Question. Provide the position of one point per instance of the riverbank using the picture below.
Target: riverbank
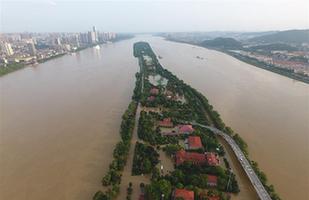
(284, 72)
(17, 66)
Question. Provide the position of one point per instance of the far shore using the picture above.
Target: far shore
(277, 70)
(17, 66)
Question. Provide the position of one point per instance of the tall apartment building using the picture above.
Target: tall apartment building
(7, 48)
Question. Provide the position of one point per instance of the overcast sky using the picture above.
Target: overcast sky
(153, 16)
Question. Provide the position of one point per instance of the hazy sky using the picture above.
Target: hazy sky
(153, 16)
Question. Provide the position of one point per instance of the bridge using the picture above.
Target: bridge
(254, 179)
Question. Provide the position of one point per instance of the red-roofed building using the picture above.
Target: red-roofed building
(184, 194)
(185, 129)
(195, 158)
(194, 142)
(167, 122)
(212, 180)
(212, 158)
(154, 91)
(151, 98)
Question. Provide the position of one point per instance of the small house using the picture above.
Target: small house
(184, 194)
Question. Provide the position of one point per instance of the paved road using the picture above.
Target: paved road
(260, 189)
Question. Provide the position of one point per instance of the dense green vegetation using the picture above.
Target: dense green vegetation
(159, 190)
(147, 132)
(171, 149)
(10, 68)
(225, 43)
(138, 87)
(273, 47)
(145, 159)
(290, 36)
(192, 176)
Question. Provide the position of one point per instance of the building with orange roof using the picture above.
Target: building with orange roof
(185, 129)
(184, 194)
(194, 142)
(167, 122)
(212, 180)
(196, 158)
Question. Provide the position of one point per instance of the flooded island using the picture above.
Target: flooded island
(175, 145)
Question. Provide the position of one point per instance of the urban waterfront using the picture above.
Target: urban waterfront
(69, 109)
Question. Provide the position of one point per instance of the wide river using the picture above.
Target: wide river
(60, 120)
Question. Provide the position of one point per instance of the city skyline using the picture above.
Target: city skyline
(165, 16)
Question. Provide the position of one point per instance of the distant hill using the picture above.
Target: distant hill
(290, 36)
(224, 43)
(274, 47)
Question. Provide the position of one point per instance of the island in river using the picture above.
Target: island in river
(266, 109)
(176, 118)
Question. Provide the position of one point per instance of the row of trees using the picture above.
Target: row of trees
(113, 177)
(192, 175)
(145, 159)
(147, 131)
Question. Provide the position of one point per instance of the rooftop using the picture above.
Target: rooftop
(195, 158)
(167, 122)
(187, 128)
(183, 193)
(212, 180)
(195, 142)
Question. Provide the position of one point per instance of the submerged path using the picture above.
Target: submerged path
(257, 184)
(127, 176)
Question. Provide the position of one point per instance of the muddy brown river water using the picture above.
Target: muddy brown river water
(59, 120)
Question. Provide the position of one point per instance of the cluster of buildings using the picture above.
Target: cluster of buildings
(193, 151)
(295, 60)
(189, 195)
(30, 48)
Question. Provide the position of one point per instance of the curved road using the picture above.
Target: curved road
(260, 189)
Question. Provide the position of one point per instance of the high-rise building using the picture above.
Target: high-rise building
(31, 47)
(91, 37)
(58, 41)
(84, 38)
(76, 40)
(94, 30)
(7, 49)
